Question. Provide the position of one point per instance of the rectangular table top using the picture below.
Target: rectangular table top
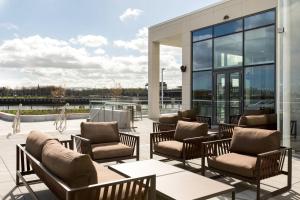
(173, 182)
(145, 167)
(187, 185)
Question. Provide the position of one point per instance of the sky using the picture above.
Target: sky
(85, 43)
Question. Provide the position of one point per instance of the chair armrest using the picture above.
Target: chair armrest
(129, 140)
(217, 147)
(82, 145)
(194, 148)
(226, 130)
(204, 119)
(162, 136)
(271, 163)
(168, 126)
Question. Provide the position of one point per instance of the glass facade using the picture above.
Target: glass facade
(234, 66)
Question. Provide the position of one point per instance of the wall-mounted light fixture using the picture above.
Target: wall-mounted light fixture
(226, 17)
(183, 68)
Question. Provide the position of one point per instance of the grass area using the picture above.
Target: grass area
(45, 112)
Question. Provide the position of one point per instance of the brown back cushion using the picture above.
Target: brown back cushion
(191, 114)
(73, 168)
(189, 129)
(168, 119)
(35, 142)
(253, 120)
(252, 141)
(100, 132)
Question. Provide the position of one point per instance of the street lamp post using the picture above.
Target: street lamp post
(162, 87)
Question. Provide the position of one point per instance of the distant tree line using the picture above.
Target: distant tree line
(54, 91)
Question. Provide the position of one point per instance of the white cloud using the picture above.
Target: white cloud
(90, 40)
(8, 25)
(139, 43)
(130, 13)
(99, 51)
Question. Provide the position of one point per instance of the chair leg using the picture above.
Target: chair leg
(203, 166)
(258, 190)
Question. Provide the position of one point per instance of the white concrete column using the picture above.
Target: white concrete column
(286, 72)
(186, 76)
(153, 79)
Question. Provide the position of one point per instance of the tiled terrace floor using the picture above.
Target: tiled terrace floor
(144, 127)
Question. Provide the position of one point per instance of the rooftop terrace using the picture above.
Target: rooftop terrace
(144, 127)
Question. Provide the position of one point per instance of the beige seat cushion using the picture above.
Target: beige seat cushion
(100, 132)
(254, 141)
(73, 168)
(190, 129)
(35, 142)
(234, 163)
(171, 148)
(111, 150)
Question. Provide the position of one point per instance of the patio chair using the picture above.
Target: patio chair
(104, 143)
(182, 144)
(169, 122)
(263, 121)
(204, 119)
(251, 155)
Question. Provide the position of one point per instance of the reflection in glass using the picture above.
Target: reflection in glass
(260, 20)
(202, 34)
(234, 93)
(259, 87)
(229, 27)
(260, 46)
(202, 85)
(202, 55)
(228, 51)
(203, 108)
(221, 84)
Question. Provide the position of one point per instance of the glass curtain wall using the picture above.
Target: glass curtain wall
(246, 44)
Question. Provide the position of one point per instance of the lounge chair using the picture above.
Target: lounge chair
(74, 176)
(104, 143)
(182, 144)
(250, 155)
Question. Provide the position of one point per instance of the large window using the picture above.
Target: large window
(246, 45)
(228, 51)
(259, 87)
(202, 55)
(202, 85)
(260, 45)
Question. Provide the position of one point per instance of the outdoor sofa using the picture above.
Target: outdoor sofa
(104, 143)
(74, 176)
(251, 155)
(182, 144)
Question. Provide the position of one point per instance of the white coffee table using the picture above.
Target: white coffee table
(173, 182)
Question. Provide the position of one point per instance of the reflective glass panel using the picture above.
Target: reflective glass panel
(203, 108)
(259, 20)
(228, 51)
(229, 27)
(202, 85)
(202, 55)
(202, 34)
(259, 87)
(260, 46)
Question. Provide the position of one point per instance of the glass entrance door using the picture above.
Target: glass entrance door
(228, 95)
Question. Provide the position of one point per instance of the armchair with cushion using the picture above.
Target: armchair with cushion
(104, 143)
(264, 121)
(251, 155)
(182, 144)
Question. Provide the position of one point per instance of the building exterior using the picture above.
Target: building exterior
(240, 56)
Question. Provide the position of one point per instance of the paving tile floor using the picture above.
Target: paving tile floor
(143, 129)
